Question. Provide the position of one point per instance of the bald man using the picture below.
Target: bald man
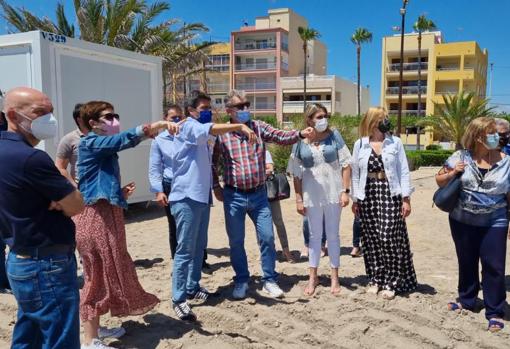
(36, 203)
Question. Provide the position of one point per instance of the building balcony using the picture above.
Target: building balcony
(395, 67)
(249, 46)
(218, 68)
(218, 87)
(256, 85)
(407, 112)
(256, 66)
(406, 90)
(292, 107)
(263, 107)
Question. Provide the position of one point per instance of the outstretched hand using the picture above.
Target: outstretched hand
(308, 132)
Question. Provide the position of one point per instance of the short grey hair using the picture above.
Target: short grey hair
(235, 93)
(502, 123)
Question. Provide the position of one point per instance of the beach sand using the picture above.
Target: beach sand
(353, 319)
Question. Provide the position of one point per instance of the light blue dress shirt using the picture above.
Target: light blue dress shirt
(159, 161)
(190, 160)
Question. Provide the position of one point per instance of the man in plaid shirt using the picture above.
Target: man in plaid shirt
(244, 191)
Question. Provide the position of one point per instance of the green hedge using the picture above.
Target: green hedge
(417, 158)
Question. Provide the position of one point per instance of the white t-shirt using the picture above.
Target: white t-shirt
(269, 158)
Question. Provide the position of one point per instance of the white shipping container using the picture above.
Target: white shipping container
(72, 71)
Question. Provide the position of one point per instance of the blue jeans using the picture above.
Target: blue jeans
(306, 232)
(192, 222)
(236, 205)
(4, 283)
(46, 290)
(356, 232)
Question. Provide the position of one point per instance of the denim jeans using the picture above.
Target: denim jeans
(46, 290)
(172, 234)
(306, 232)
(4, 283)
(237, 205)
(192, 221)
(356, 232)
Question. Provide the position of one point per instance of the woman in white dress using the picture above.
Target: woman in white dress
(322, 177)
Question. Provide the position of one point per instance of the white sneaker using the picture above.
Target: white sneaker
(96, 344)
(273, 289)
(114, 332)
(240, 290)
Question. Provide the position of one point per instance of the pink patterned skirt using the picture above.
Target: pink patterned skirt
(111, 283)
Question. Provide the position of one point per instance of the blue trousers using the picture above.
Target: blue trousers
(4, 282)
(485, 245)
(46, 290)
(192, 222)
(237, 205)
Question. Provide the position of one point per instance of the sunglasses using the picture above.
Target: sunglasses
(239, 106)
(110, 116)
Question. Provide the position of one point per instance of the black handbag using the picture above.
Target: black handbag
(277, 187)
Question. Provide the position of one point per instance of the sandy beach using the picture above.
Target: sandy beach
(353, 319)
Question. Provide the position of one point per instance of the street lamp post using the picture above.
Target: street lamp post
(401, 77)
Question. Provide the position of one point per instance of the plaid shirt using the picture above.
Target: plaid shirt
(244, 163)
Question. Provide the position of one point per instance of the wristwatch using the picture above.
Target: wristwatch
(347, 191)
(300, 135)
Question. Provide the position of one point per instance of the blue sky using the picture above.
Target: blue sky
(485, 21)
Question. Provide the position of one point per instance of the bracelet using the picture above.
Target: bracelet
(300, 135)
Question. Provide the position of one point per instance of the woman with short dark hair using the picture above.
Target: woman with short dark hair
(111, 284)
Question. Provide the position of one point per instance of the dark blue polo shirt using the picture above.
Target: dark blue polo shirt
(29, 181)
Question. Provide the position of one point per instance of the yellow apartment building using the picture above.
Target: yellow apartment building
(446, 68)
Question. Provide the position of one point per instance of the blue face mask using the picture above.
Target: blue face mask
(205, 116)
(492, 141)
(243, 116)
(176, 119)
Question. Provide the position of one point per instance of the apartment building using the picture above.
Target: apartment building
(338, 95)
(446, 68)
(264, 53)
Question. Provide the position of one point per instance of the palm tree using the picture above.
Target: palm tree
(455, 114)
(360, 36)
(423, 24)
(306, 34)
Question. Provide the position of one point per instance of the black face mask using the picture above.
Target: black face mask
(384, 126)
(503, 139)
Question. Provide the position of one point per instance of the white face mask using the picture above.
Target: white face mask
(321, 125)
(44, 127)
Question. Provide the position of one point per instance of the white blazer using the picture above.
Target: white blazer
(395, 166)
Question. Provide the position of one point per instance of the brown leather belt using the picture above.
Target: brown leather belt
(377, 175)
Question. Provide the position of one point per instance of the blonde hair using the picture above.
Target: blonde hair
(371, 119)
(477, 129)
(311, 109)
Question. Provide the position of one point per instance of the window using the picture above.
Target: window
(218, 63)
(218, 101)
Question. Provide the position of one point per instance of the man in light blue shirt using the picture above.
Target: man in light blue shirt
(190, 160)
(160, 171)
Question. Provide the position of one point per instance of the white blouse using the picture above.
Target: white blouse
(321, 183)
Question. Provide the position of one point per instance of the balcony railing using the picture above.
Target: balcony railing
(255, 46)
(255, 66)
(263, 106)
(218, 68)
(406, 90)
(407, 112)
(451, 92)
(297, 106)
(395, 67)
(447, 68)
(218, 87)
(257, 85)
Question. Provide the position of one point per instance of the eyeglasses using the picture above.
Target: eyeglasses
(239, 106)
(110, 116)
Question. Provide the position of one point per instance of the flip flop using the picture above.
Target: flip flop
(495, 326)
(453, 306)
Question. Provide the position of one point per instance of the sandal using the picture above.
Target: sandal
(495, 325)
(356, 252)
(453, 306)
(388, 294)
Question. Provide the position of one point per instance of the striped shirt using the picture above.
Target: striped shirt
(244, 163)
